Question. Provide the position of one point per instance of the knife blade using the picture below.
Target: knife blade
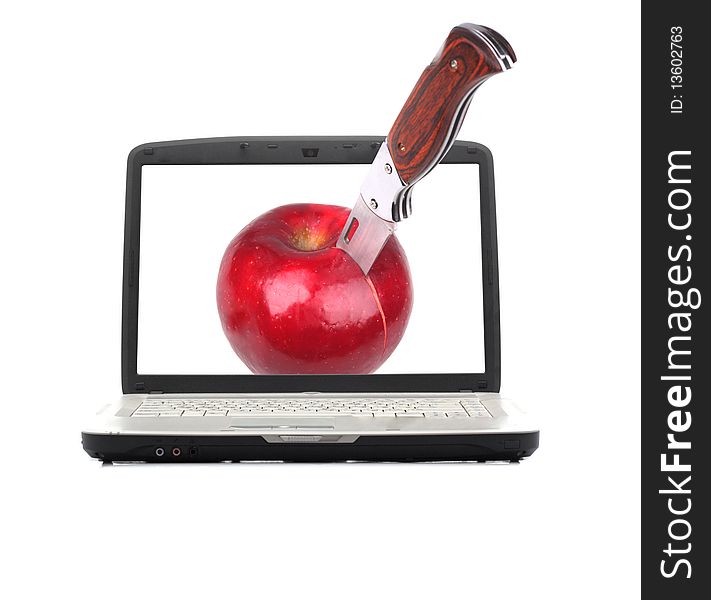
(422, 134)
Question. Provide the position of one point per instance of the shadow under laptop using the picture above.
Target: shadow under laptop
(323, 464)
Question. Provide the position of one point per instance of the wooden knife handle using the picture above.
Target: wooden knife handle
(429, 122)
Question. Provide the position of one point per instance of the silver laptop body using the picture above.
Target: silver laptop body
(239, 417)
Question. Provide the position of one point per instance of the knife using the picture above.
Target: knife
(421, 135)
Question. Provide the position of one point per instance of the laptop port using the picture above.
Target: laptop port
(160, 452)
(176, 452)
(193, 451)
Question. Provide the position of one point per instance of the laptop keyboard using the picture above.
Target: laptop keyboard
(334, 407)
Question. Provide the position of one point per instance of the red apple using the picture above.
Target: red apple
(291, 302)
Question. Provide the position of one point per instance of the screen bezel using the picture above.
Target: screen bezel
(298, 151)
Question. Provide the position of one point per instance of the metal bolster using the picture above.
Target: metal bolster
(383, 186)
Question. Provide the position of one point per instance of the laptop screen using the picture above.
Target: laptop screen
(225, 290)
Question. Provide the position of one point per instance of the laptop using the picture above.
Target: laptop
(190, 392)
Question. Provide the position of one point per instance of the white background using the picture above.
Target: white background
(85, 82)
(189, 214)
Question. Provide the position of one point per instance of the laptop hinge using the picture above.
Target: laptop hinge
(481, 385)
(155, 392)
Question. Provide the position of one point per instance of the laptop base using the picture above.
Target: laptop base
(240, 448)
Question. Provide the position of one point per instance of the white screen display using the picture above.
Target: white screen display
(190, 214)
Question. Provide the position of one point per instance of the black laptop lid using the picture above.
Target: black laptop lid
(186, 201)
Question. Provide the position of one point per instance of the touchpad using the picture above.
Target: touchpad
(282, 423)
